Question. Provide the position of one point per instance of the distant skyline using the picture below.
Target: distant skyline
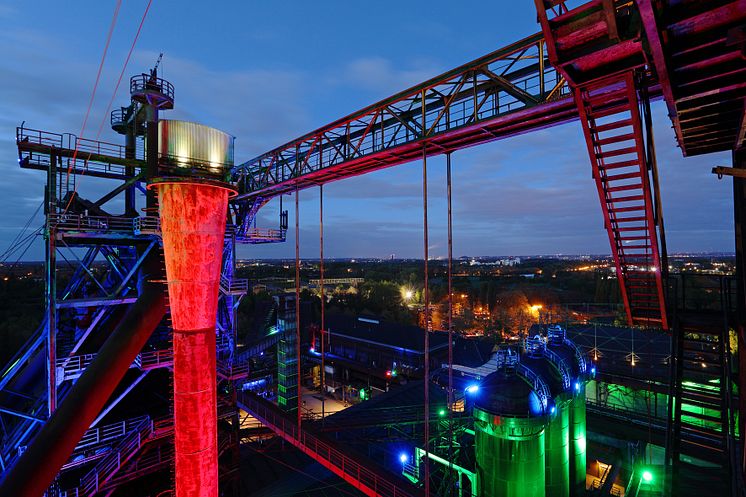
(268, 72)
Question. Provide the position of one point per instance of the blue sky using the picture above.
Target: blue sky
(268, 72)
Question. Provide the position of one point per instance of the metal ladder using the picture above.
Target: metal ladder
(609, 112)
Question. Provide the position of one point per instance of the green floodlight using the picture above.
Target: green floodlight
(647, 476)
(442, 413)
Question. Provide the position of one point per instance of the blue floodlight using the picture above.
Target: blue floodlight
(472, 389)
(403, 458)
(577, 386)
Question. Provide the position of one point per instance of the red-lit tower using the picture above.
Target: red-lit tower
(192, 207)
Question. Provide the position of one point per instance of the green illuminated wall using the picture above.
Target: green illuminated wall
(510, 456)
(287, 364)
(578, 442)
(656, 404)
(558, 451)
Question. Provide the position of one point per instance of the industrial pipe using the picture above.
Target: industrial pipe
(193, 214)
(37, 467)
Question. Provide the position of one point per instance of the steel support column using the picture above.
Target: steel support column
(426, 299)
(323, 300)
(51, 286)
(297, 309)
(739, 211)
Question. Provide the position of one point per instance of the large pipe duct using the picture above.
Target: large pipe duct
(193, 216)
(39, 464)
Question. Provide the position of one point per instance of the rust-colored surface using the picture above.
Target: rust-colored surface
(193, 226)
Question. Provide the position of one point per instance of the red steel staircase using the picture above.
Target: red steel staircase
(609, 112)
(601, 66)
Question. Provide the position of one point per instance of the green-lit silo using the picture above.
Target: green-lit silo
(557, 374)
(558, 342)
(510, 415)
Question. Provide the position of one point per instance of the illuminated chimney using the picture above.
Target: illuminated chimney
(192, 209)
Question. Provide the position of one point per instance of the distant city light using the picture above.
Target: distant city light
(403, 458)
(472, 389)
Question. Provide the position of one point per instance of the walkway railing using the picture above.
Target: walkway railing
(70, 368)
(97, 477)
(364, 476)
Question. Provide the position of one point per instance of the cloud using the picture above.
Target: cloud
(527, 194)
(380, 75)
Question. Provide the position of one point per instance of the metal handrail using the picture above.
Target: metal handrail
(579, 356)
(539, 385)
(85, 223)
(561, 365)
(234, 285)
(105, 469)
(146, 224)
(338, 462)
(69, 368)
(261, 234)
(107, 433)
(143, 82)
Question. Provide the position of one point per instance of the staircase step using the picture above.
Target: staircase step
(620, 164)
(648, 296)
(610, 126)
(633, 219)
(703, 417)
(618, 177)
(702, 449)
(631, 208)
(615, 139)
(703, 405)
(618, 152)
(627, 198)
(636, 247)
(633, 238)
(701, 399)
(700, 431)
(610, 110)
(634, 186)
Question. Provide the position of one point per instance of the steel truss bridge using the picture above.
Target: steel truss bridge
(600, 62)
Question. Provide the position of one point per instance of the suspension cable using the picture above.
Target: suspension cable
(426, 298)
(450, 322)
(323, 299)
(297, 310)
(124, 68)
(90, 101)
(22, 232)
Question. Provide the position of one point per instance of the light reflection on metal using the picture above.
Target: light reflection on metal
(189, 145)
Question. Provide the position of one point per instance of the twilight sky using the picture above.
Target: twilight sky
(268, 72)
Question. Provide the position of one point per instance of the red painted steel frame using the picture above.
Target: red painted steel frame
(193, 216)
